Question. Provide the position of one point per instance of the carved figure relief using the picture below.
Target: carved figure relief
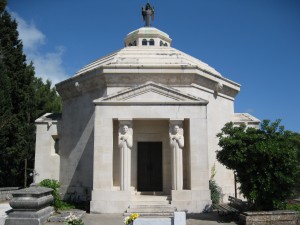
(176, 143)
(125, 145)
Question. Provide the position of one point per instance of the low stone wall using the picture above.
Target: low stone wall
(279, 217)
(5, 193)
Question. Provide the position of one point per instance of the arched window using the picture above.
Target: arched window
(161, 43)
(144, 42)
(134, 43)
(151, 42)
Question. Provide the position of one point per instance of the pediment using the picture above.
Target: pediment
(151, 93)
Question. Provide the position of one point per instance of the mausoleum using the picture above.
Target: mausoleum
(139, 122)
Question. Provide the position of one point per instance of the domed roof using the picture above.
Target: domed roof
(148, 56)
(140, 52)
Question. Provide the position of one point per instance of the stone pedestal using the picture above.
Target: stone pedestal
(31, 206)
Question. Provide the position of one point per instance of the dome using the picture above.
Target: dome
(145, 59)
(147, 36)
(153, 56)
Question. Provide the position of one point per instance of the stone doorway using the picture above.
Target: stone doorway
(150, 167)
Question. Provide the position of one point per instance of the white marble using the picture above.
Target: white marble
(148, 89)
(179, 218)
(153, 221)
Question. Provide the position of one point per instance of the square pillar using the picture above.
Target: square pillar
(197, 199)
(104, 198)
(199, 167)
(103, 154)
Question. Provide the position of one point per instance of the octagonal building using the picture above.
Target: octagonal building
(139, 126)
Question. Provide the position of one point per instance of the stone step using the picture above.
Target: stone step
(151, 197)
(149, 194)
(149, 214)
(151, 210)
(134, 206)
(150, 203)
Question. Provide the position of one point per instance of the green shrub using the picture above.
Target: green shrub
(58, 204)
(294, 207)
(265, 162)
(215, 190)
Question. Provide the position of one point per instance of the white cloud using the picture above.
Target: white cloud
(31, 37)
(48, 65)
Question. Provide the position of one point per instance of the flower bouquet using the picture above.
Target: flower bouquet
(129, 219)
(72, 219)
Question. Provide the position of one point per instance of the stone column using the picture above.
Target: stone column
(125, 144)
(176, 144)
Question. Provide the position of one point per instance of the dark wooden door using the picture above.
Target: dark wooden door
(149, 166)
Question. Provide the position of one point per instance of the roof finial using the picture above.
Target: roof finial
(148, 12)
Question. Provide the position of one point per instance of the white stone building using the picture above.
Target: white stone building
(140, 121)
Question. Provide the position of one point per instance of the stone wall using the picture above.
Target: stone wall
(279, 217)
(5, 193)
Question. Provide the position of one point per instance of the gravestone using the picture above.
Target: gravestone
(31, 206)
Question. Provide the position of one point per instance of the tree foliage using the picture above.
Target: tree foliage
(22, 98)
(265, 161)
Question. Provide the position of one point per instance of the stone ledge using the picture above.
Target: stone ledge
(278, 217)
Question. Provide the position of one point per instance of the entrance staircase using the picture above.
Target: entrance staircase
(147, 205)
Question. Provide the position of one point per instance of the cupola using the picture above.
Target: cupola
(148, 36)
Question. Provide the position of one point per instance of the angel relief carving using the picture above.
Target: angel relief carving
(176, 143)
(125, 145)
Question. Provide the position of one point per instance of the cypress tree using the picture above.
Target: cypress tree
(19, 107)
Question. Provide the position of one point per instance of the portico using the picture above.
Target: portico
(151, 109)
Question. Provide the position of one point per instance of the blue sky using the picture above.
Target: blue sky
(255, 43)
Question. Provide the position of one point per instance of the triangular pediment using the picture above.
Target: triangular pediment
(151, 93)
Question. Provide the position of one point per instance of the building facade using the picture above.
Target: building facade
(140, 121)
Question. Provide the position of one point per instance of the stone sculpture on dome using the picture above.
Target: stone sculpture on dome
(148, 12)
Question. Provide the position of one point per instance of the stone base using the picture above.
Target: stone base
(191, 201)
(29, 217)
(110, 201)
(279, 217)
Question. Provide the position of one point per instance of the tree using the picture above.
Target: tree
(17, 94)
(46, 98)
(23, 98)
(265, 161)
